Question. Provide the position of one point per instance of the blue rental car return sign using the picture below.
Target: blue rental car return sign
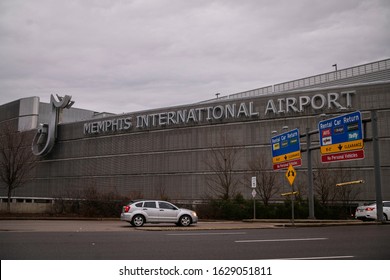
(286, 149)
(341, 138)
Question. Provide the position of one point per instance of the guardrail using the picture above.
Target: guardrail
(355, 71)
(356, 74)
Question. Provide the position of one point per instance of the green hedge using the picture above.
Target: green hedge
(238, 209)
(94, 204)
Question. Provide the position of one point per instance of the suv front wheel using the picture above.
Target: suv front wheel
(185, 221)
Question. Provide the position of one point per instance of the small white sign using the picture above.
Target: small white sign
(254, 193)
(253, 182)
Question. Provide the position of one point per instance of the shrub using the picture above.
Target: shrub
(91, 203)
(239, 208)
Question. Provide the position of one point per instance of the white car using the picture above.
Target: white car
(155, 211)
(368, 212)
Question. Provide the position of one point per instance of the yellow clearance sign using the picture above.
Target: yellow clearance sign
(287, 157)
(342, 147)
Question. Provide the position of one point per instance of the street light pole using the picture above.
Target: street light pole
(310, 174)
(377, 167)
(335, 67)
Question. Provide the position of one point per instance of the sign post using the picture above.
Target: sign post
(290, 175)
(286, 153)
(377, 167)
(254, 196)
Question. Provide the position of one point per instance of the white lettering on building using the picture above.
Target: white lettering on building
(112, 125)
(318, 101)
(197, 115)
(281, 105)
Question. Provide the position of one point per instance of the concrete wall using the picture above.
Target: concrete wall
(170, 159)
(27, 205)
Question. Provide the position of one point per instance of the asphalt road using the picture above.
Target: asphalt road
(84, 240)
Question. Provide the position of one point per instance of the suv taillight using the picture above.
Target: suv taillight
(126, 208)
(370, 208)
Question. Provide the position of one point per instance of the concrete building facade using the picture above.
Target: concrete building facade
(168, 152)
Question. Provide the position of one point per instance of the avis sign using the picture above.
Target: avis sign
(341, 138)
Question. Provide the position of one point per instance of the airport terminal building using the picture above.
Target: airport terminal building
(173, 152)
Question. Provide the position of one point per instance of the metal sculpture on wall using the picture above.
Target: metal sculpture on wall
(46, 135)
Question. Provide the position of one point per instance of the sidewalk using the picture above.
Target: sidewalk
(253, 224)
(46, 224)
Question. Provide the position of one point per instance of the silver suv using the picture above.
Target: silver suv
(156, 211)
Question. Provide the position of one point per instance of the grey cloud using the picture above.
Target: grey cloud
(131, 55)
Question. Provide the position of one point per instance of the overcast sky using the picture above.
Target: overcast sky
(130, 55)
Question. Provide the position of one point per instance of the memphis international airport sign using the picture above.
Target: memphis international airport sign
(207, 113)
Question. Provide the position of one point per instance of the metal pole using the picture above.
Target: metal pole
(377, 167)
(310, 175)
(292, 204)
(254, 208)
(254, 182)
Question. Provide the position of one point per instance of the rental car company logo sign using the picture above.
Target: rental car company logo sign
(204, 113)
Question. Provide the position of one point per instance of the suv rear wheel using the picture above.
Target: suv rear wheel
(138, 221)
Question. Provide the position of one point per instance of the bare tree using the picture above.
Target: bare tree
(221, 161)
(265, 180)
(348, 194)
(325, 182)
(325, 186)
(16, 159)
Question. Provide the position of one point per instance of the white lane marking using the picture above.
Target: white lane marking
(206, 233)
(281, 240)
